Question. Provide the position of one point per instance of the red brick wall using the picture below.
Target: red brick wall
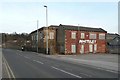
(101, 44)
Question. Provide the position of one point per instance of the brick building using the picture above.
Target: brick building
(68, 39)
(80, 40)
(42, 39)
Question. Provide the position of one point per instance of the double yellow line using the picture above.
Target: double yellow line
(8, 69)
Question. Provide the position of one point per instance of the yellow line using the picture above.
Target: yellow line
(9, 69)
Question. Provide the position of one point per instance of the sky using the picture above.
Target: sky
(21, 17)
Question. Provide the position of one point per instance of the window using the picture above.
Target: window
(82, 35)
(73, 35)
(35, 37)
(92, 36)
(41, 35)
(32, 38)
(101, 36)
(51, 35)
(73, 48)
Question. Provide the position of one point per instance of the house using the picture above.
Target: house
(80, 40)
(113, 43)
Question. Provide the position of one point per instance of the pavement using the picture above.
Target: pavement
(22, 64)
(103, 61)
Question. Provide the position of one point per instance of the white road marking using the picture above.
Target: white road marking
(66, 72)
(97, 67)
(26, 57)
(38, 61)
(9, 70)
(107, 70)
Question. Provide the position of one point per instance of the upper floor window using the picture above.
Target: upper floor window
(82, 35)
(51, 35)
(32, 38)
(102, 36)
(92, 36)
(73, 35)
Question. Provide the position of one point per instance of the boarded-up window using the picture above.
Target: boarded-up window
(73, 35)
(92, 36)
(73, 48)
(82, 35)
(101, 36)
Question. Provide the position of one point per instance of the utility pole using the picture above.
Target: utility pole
(37, 34)
(46, 29)
(78, 40)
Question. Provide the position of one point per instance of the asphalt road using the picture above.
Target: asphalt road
(31, 65)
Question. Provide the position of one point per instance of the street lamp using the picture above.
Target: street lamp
(46, 29)
(37, 34)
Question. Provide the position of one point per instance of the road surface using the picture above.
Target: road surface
(21, 64)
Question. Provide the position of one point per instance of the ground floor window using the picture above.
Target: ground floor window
(82, 49)
(73, 48)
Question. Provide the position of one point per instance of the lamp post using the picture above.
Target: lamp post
(37, 34)
(46, 29)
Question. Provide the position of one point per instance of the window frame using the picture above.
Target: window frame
(95, 36)
(73, 48)
(73, 35)
(82, 35)
(102, 35)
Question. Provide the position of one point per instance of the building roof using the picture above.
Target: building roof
(82, 28)
(55, 26)
(71, 27)
(51, 26)
(115, 41)
(111, 36)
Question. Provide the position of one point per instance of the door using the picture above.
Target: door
(95, 48)
(82, 49)
(73, 48)
(90, 48)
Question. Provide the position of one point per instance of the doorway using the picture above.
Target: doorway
(90, 48)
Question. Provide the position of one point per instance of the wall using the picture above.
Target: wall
(101, 44)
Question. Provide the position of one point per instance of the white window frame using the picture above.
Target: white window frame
(82, 35)
(73, 48)
(101, 34)
(73, 35)
(32, 38)
(91, 34)
(51, 35)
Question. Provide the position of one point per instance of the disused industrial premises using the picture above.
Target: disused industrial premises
(41, 43)
(68, 39)
(80, 40)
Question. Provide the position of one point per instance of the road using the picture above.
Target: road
(23, 64)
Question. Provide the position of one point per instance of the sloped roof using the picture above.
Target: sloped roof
(114, 41)
(51, 26)
(111, 36)
(82, 28)
(71, 27)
